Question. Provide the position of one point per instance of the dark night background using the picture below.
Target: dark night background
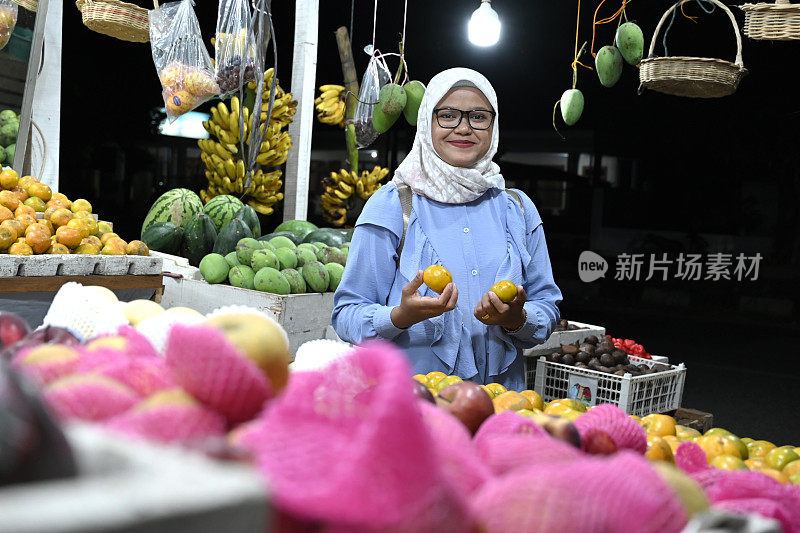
(722, 169)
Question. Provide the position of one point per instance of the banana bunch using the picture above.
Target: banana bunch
(330, 105)
(225, 168)
(342, 187)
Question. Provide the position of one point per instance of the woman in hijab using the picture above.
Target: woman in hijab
(462, 218)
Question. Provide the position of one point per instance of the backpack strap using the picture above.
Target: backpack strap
(405, 202)
(517, 199)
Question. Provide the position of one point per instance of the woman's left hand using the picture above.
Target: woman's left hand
(493, 312)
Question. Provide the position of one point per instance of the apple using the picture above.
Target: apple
(468, 402)
(54, 335)
(422, 392)
(12, 329)
(261, 340)
(598, 442)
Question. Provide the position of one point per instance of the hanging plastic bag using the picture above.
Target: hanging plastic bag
(182, 61)
(376, 76)
(8, 21)
(235, 52)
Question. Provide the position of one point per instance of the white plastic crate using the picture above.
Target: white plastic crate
(636, 395)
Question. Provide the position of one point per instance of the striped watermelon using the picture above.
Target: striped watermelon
(222, 209)
(176, 205)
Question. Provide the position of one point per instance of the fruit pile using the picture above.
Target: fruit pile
(602, 356)
(9, 127)
(224, 160)
(343, 187)
(185, 87)
(279, 264)
(65, 227)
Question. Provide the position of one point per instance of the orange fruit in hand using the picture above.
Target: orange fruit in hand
(9, 178)
(437, 277)
(505, 290)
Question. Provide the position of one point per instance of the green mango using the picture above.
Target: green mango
(630, 42)
(241, 276)
(608, 65)
(415, 90)
(571, 106)
(269, 279)
(391, 101)
(295, 279)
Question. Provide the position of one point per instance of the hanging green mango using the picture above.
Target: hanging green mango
(391, 101)
(571, 106)
(608, 64)
(415, 90)
(630, 41)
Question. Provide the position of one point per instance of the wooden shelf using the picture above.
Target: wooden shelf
(53, 283)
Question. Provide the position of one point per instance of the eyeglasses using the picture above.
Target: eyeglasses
(478, 119)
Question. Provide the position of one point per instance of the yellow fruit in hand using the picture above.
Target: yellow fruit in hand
(437, 277)
(505, 290)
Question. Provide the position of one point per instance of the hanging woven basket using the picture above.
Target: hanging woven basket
(772, 22)
(695, 77)
(124, 21)
(30, 5)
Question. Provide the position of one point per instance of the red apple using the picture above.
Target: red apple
(422, 392)
(12, 329)
(468, 402)
(598, 442)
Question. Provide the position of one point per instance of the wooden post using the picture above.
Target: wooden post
(304, 69)
(348, 70)
(47, 101)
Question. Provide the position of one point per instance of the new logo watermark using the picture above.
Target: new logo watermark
(686, 267)
(591, 266)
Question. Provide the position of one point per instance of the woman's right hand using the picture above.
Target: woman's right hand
(415, 308)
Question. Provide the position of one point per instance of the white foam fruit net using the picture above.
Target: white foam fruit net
(84, 311)
(318, 354)
(156, 328)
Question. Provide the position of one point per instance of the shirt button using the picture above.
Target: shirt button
(466, 230)
(474, 272)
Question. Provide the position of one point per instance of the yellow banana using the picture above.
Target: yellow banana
(224, 114)
(240, 169)
(330, 87)
(230, 169)
(260, 208)
(347, 189)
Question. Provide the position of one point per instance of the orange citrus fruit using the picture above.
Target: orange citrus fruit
(41, 191)
(57, 248)
(505, 290)
(658, 424)
(61, 216)
(69, 237)
(26, 181)
(658, 449)
(36, 204)
(81, 205)
(437, 277)
(20, 248)
(536, 400)
(9, 178)
(137, 247)
(9, 200)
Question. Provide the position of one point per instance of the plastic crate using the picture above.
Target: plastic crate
(636, 395)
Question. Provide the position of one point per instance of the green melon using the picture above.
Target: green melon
(300, 228)
(222, 209)
(176, 205)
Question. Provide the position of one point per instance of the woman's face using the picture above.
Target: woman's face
(462, 146)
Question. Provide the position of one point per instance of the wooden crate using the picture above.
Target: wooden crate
(305, 317)
(694, 419)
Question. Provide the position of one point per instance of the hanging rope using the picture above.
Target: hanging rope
(708, 10)
(576, 57)
(352, 10)
(612, 18)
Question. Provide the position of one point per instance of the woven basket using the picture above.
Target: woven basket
(124, 21)
(696, 77)
(772, 22)
(30, 5)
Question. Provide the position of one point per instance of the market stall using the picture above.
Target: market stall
(188, 378)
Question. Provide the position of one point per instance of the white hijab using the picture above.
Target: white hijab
(426, 172)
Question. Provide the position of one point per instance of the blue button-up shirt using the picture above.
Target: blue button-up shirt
(480, 242)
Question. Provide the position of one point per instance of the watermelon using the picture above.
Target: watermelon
(288, 234)
(199, 237)
(330, 236)
(230, 235)
(176, 205)
(222, 209)
(300, 228)
(163, 237)
(250, 217)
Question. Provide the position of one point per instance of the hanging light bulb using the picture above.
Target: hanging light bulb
(484, 25)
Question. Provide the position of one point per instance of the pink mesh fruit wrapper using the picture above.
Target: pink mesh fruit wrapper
(89, 397)
(626, 432)
(455, 449)
(619, 493)
(691, 458)
(506, 453)
(349, 447)
(752, 492)
(212, 370)
(145, 375)
(44, 372)
(170, 423)
(508, 423)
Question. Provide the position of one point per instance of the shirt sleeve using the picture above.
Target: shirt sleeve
(540, 287)
(360, 311)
